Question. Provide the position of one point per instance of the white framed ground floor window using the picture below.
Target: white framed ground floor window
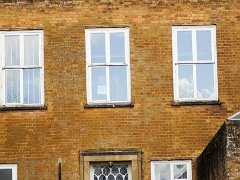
(8, 171)
(171, 170)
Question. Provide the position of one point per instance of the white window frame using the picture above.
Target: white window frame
(107, 32)
(13, 167)
(176, 63)
(22, 66)
(172, 163)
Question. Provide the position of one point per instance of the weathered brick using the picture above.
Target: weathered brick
(220, 159)
(37, 139)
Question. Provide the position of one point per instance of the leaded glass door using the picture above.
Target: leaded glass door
(110, 171)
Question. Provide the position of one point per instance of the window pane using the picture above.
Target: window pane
(98, 54)
(12, 84)
(180, 171)
(162, 172)
(99, 89)
(185, 81)
(31, 50)
(6, 174)
(103, 171)
(12, 50)
(204, 51)
(118, 83)
(184, 45)
(31, 86)
(205, 81)
(117, 47)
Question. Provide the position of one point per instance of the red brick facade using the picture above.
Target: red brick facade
(36, 140)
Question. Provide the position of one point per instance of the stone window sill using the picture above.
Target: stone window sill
(17, 108)
(112, 105)
(195, 103)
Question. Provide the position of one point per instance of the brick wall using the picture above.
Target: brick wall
(37, 139)
(220, 159)
(211, 164)
(233, 150)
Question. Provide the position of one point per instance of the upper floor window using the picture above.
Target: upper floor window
(194, 63)
(108, 65)
(171, 170)
(8, 171)
(21, 68)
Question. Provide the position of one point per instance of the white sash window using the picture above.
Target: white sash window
(21, 68)
(108, 65)
(194, 63)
